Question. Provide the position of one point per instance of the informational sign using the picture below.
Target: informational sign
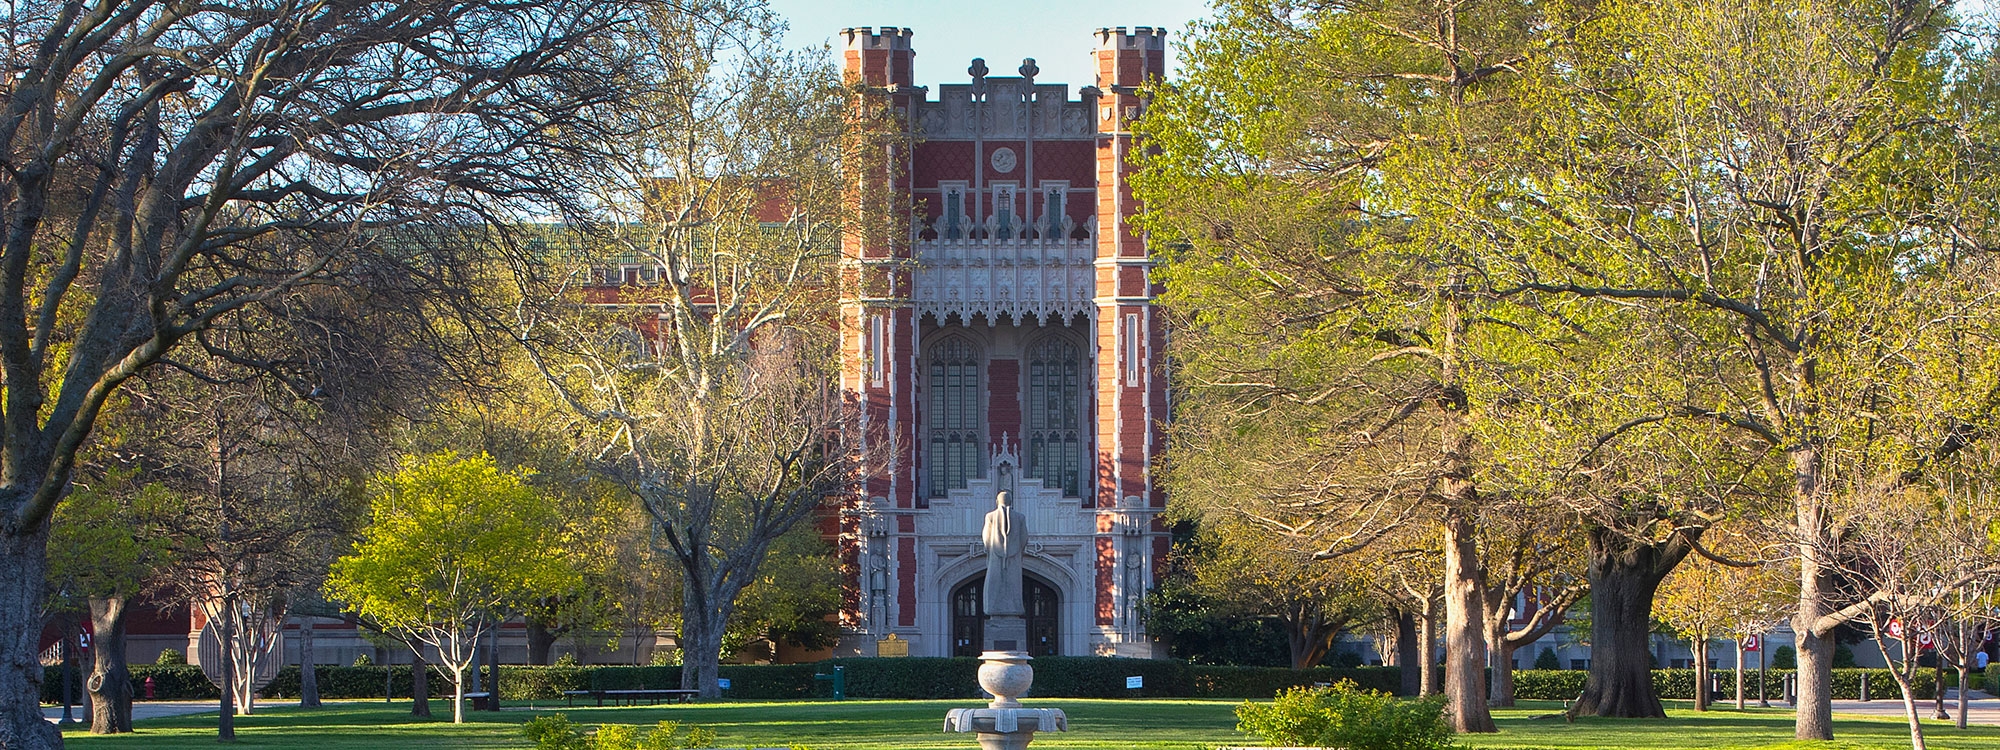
(722, 682)
(892, 647)
(1752, 643)
(1135, 682)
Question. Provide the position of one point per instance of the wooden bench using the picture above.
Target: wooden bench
(631, 697)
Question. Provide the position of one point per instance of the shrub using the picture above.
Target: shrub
(1345, 716)
(171, 657)
(1785, 657)
(554, 732)
(615, 737)
(1547, 659)
(1993, 676)
(567, 660)
(362, 660)
(1843, 657)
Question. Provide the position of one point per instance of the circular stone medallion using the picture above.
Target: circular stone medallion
(1003, 160)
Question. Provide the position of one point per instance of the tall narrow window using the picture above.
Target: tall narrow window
(954, 416)
(1052, 212)
(1055, 420)
(1003, 212)
(954, 207)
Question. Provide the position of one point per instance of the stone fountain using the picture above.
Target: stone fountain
(1003, 670)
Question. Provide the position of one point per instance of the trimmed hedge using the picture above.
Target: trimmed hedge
(1678, 684)
(1263, 682)
(946, 678)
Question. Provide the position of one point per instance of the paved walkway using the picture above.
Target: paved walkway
(1982, 709)
(148, 709)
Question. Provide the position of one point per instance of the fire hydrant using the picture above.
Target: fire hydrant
(149, 687)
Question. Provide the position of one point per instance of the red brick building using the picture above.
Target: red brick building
(1007, 338)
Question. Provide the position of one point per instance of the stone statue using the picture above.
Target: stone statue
(1006, 538)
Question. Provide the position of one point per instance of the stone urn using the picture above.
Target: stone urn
(1003, 724)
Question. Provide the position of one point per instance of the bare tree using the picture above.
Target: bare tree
(168, 164)
(710, 388)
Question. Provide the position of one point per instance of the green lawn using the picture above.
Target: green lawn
(916, 725)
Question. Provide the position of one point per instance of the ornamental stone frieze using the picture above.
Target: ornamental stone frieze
(1017, 278)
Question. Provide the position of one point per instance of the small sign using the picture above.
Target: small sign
(722, 683)
(1135, 682)
(892, 647)
(1752, 643)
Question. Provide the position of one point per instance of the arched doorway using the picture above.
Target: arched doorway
(968, 616)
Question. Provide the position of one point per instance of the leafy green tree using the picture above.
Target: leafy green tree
(795, 597)
(1790, 205)
(1547, 659)
(108, 546)
(454, 545)
(1332, 335)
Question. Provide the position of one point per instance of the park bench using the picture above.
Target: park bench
(483, 701)
(630, 697)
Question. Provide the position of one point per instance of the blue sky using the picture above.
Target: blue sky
(950, 34)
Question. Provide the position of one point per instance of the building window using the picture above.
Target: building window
(1003, 212)
(1055, 420)
(1052, 213)
(954, 416)
(954, 207)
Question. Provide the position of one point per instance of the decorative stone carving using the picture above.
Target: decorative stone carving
(1048, 277)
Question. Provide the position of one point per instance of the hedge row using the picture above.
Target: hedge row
(928, 678)
(1553, 684)
(938, 678)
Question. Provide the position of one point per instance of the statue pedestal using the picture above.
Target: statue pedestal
(1006, 633)
(1004, 724)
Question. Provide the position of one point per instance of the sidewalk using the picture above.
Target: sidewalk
(1982, 708)
(144, 709)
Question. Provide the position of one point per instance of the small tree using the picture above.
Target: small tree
(454, 545)
(1694, 602)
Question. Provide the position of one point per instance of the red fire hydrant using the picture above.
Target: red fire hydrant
(149, 687)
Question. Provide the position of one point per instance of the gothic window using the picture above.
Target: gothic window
(1052, 212)
(1055, 421)
(954, 207)
(954, 416)
(1003, 212)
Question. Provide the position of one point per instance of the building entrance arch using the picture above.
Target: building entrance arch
(968, 616)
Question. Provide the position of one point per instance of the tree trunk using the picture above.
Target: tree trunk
(1502, 694)
(1701, 675)
(1903, 687)
(1937, 682)
(707, 601)
(1308, 638)
(1739, 672)
(110, 680)
(458, 678)
(1962, 690)
(420, 683)
(1624, 574)
(701, 652)
(1465, 629)
(1407, 654)
(225, 724)
(21, 579)
(493, 665)
(308, 676)
(541, 640)
(1428, 683)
